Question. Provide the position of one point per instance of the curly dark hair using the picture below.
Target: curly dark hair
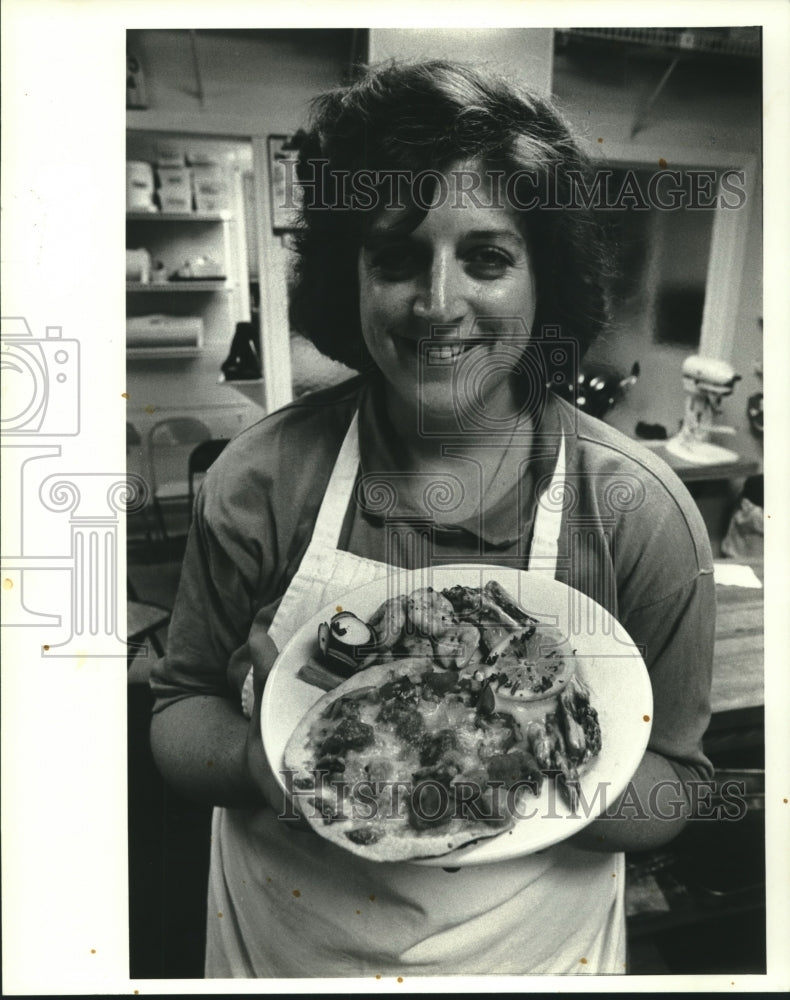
(429, 116)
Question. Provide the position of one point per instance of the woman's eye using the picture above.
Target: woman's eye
(488, 262)
(395, 263)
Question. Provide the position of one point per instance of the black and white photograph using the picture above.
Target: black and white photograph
(392, 558)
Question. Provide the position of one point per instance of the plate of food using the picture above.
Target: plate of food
(456, 715)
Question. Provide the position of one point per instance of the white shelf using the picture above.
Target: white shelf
(178, 370)
(179, 286)
(162, 353)
(178, 216)
(252, 389)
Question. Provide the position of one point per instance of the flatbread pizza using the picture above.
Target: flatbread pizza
(453, 719)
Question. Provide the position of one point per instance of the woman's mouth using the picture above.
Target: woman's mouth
(435, 352)
(445, 353)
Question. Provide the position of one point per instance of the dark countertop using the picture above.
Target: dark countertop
(739, 652)
(691, 472)
(690, 889)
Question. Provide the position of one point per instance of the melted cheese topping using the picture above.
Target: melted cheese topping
(374, 791)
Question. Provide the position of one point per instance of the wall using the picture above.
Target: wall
(159, 388)
(262, 82)
(707, 112)
(245, 83)
(254, 82)
(524, 54)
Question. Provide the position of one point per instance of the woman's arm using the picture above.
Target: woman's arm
(201, 742)
(651, 811)
(251, 519)
(200, 746)
(676, 634)
(209, 752)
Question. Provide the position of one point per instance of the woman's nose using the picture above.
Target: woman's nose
(441, 299)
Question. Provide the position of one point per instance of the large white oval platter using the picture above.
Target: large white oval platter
(609, 662)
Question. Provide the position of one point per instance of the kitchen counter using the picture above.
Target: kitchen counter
(715, 488)
(739, 650)
(661, 901)
(688, 908)
(694, 472)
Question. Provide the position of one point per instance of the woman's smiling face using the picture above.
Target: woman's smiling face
(461, 279)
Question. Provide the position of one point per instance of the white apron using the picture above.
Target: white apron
(285, 903)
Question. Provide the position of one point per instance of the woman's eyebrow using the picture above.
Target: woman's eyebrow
(381, 237)
(492, 234)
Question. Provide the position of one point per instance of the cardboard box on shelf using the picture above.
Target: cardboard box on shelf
(139, 187)
(201, 158)
(210, 189)
(169, 156)
(174, 189)
(175, 203)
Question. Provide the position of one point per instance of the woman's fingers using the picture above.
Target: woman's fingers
(256, 655)
(238, 667)
(263, 653)
(264, 777)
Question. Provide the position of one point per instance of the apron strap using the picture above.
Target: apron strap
(548, 519)
(326, 533)
(329, 523)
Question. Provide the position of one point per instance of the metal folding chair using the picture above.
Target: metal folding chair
(200, 461)
(144, 619)
(170, 442)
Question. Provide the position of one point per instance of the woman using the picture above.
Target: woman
(434, 259)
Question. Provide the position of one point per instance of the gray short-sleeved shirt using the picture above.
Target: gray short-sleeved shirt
(632, 538)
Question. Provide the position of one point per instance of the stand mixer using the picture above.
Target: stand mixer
(706, 381)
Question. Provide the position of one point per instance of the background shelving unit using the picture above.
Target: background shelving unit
(178, 216)
(205, 285)
(173, 379)
(162, 353)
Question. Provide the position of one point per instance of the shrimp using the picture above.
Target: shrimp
(388, 620)
(413, 644)
(458, 647)
(429, 612)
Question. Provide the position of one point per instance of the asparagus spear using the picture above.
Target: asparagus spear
(580, 721)
(567, 776)
(540, 743)
(500, 597)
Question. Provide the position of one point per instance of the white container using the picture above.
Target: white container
(139, 187)
(210, 189)
(176, 203)
(159, 330)
(138, 266)
(169, 156)
(199, 158)
(174, 189)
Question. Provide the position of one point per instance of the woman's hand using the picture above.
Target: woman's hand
(648, 814)
(208, 751)
(261, 653)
